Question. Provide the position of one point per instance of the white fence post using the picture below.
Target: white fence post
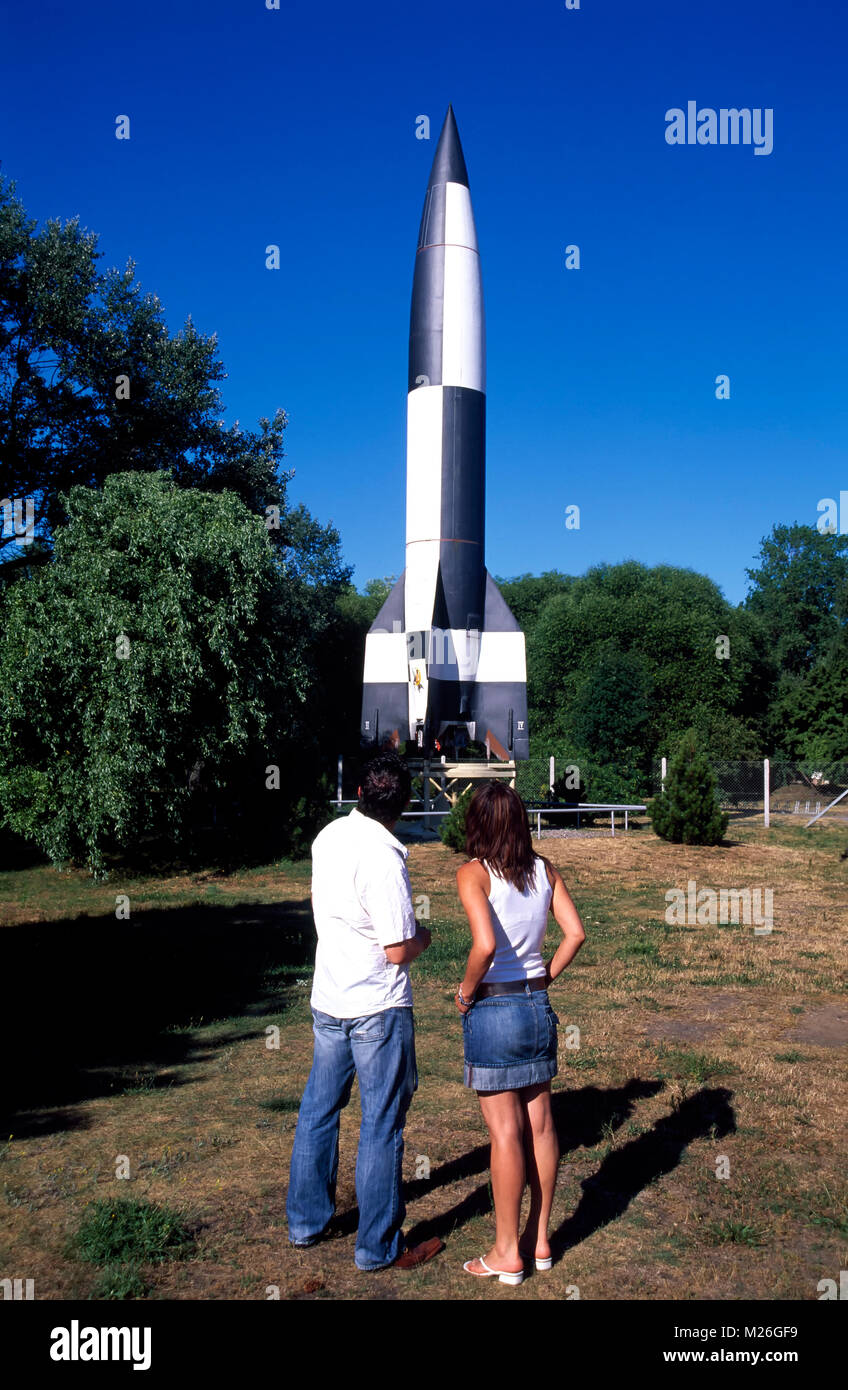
(551, 775)
(339, 783)
(663, 767)
(766, 803)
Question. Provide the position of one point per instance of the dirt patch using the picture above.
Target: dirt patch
(680, 1030)
(713, 1013)
(701, 1022)
(826, 1026)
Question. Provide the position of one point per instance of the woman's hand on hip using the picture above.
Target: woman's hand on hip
(461, 1002)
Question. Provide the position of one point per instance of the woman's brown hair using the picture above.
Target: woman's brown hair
(497, 830)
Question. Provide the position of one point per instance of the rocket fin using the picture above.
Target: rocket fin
(501, 693)
(498, 616)
(385, 689)
(392, 612)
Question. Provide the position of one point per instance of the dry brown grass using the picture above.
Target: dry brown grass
(696, 1043)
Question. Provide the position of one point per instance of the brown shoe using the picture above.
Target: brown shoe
(419, 1254)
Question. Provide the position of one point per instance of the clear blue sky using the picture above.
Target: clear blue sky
(297, 126)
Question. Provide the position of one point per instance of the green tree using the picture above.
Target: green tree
(452, 828)
(687, 810)
(799, 591)
(811, 712)
(799, 595)
(362, 608)
(611, 707)
(727, 737)
(527, 595)
(168, 646)
(92, 383)
(655, 634)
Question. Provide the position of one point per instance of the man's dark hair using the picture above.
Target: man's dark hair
(385, 786)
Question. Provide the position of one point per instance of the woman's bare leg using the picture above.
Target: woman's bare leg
(504, 1116)
(541, 1148)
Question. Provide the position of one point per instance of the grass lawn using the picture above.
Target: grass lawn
(701, 1098)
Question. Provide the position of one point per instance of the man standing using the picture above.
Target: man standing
(362, 1012)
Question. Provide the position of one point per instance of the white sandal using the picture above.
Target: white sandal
(542, 1263)
(506, 1276)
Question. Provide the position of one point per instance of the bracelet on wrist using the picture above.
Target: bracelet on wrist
(466, 1003)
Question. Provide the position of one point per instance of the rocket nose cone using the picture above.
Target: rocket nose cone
(449, 161)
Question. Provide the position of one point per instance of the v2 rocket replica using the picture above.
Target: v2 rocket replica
(444, 653)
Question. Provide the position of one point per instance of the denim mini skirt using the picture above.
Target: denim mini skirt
(510, 1041)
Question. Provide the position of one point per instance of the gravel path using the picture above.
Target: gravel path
(574, 834)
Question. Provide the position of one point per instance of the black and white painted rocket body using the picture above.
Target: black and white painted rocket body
(445, 651)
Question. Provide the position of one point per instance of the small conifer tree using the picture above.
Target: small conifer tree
(687, 810)
(452, 828)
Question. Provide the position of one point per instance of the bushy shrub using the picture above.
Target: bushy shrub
(452, 828)
(163, 645)
(687, 810)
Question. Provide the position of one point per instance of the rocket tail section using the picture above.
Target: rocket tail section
(410, 684)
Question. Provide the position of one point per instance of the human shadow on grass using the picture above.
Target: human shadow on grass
(581, 1118)
(581, 1121)
(95, 1007)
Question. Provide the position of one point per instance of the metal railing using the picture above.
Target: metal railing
(585, 807)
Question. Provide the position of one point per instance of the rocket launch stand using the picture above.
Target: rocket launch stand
(446, 781)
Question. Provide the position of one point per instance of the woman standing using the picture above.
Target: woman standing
(509, 1028)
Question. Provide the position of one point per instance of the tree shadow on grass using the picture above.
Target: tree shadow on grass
(582, 1119)
(90, 1005)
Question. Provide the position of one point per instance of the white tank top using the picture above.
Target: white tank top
(520, 921)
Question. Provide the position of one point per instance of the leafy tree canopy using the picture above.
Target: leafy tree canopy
(92, 383)
(527, 595)
(168, 641)
(799, 594)
(362, 608)
(649, 641)
(799, 590)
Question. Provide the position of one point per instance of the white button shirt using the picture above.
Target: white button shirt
(362, 902)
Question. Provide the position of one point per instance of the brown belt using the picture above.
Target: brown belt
(511, 987)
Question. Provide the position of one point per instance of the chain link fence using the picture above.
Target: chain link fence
(806, 788)
(795, 787)
(532, 780)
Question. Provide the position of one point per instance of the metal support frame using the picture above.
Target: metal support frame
(451, 779)
(819, 814)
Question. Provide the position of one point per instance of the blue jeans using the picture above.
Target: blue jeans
(380, 1049)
